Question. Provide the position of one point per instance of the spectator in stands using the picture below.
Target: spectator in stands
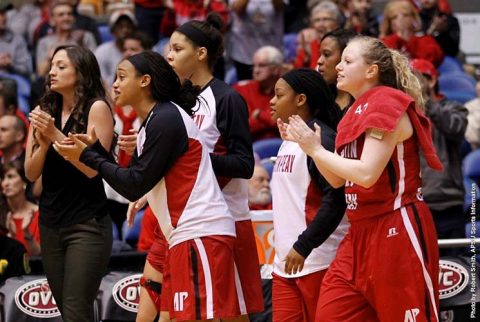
(135, 43)
(331, 49)
(443, 191)
(14, 55)
(109, 54)
(296, 16)
(22, 218)
(12, 138)
(306, 209)
(259, 194)
(361, 18)
(149, 14)
(13, 255)
(75, 227)
(324, 17)
(472, 134)
(63, 20)
(441, 25)
(376, 158)
(84, 22)
(267, 69)
(400, 24)
(9, 100)
(255, 23)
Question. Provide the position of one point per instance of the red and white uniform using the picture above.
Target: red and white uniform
(173, 168)
(222, 117)
(296, 200)
(387, 267)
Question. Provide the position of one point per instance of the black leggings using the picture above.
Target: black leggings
(75, 258)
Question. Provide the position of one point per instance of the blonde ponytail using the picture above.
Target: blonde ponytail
(406, 79)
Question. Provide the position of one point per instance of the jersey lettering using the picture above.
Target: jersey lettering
(411, 315)
(284, 163)
(178, 299)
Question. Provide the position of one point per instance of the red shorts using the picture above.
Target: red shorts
(247, 273)
(158, 250)
(295, 299)
(386, 270)
(199, 279)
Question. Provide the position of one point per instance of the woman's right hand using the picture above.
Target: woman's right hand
(128, 143)
(43, 123)
(133, 208)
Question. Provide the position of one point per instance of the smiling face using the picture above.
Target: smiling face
(183, 56)
(329, 58)
(127, 84)
(355, 76)
(284, 102)
(63, 76)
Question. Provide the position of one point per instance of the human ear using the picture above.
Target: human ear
(202, 53)
(372, 71)
(146, 79)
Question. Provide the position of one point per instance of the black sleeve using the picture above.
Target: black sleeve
(165, 141)
(331, 210)
(449, 118)
(232, 122)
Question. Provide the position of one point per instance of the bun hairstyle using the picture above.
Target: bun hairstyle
(206, 34)
(165, 84)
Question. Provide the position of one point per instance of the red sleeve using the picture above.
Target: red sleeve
(147, 231)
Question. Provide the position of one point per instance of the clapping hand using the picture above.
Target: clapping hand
(71, 149)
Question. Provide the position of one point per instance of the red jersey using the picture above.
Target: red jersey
(399, 184)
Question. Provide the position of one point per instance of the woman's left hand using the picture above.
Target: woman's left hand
(298, 131)
(294, 262)
(72, 147)
(43, 123)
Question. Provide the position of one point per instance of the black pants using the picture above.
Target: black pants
(75, 258)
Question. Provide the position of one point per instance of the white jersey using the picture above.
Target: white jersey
(185, 201)
(216, 98)
(296, 200)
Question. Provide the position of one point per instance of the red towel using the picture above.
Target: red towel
(381, 108)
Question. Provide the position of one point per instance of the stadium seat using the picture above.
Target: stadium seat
(458, 81)
(457, 86)
(266, 148)
(130, 235)
(450, 65)
(268, 164)
(471, 165)
(290, 47)
(471, 177)
(105, 34)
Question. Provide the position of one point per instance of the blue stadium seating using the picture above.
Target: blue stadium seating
(105, 34)
(471, 176)
(266, 148)
(457, 86)
(268, 164)
(290, 47)
(449, 65)
(130, 234)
